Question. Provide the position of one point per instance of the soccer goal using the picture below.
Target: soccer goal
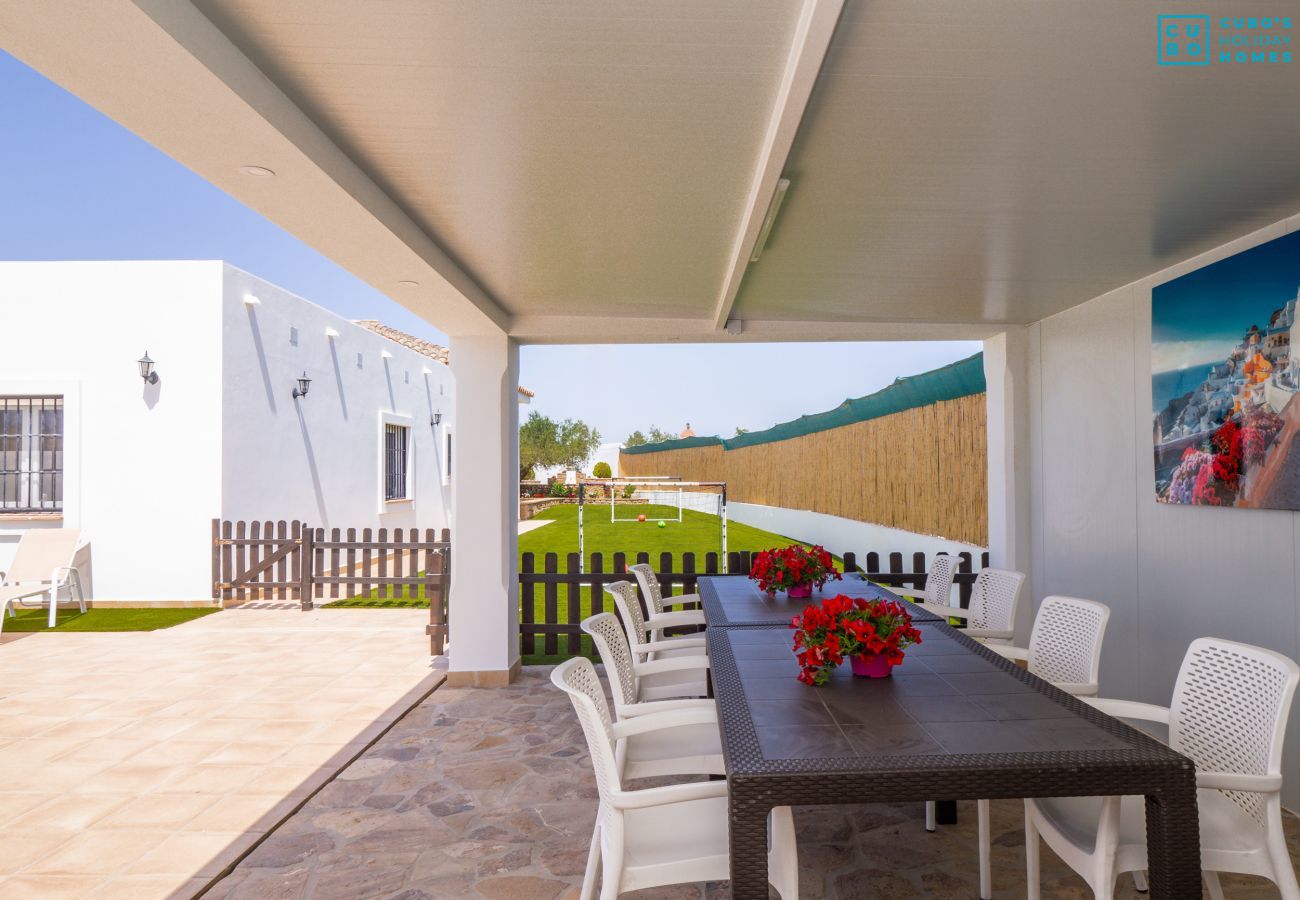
(653, 503)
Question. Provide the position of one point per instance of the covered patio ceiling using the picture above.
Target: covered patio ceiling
(585, 170)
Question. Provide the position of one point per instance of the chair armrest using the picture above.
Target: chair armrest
(676, 664)
(675, 644)
(654, 707)
(664, 720)
(1129, 709)
(985, 634)
(1010, 652)
(672, 793)
(679, 600)
(676, 619)
(942, 609)
(1233, 781)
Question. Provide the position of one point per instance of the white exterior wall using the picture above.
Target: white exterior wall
(1169, 573)
(319, 458)
(839, 535)
(142, 473)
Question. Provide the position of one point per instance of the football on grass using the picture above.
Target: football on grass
(641, 518)
(663, 524)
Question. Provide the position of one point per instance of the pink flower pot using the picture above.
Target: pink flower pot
(870, 665)
(800, 592)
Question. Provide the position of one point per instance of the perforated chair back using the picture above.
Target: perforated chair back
(650, 589)
(611, 644)
(938, 581)
(629, 607)
(994, 598)
(1229, 712)
(577, 678)
(1065, 645)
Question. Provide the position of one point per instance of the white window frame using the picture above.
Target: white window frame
(403, 421)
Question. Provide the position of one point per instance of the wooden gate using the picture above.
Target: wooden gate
(286, 561)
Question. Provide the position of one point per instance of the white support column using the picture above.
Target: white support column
(483, 612)
(1006, 371)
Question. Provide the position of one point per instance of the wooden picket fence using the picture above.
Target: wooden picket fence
(551, 600)
(288, 561)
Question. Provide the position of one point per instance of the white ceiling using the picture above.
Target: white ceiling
(594, 169)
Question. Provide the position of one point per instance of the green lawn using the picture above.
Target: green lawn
(101, 619)
(698, 533)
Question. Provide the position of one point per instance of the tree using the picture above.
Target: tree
(544, 442)
(636, 438)
(740, 431)
(602, 470)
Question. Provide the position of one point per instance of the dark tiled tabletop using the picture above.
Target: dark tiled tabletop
(731, 600)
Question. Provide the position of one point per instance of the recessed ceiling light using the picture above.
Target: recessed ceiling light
(257, 171)
(408, 283)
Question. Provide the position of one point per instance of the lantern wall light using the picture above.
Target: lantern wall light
(147, 369)
(303, 384)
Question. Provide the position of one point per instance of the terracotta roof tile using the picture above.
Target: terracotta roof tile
(419, 345)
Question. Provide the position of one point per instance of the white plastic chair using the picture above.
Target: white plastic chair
(1229, 714)
(42, 566)
(658, 836)
(662, 615)
(1065, 649)
(938, 582)
(688, 681)
(694, 749)
(991, 615)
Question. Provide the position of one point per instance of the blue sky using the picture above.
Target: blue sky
(75, 185)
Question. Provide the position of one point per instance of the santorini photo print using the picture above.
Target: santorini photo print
(1223, 381)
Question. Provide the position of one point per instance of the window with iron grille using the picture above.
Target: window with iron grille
(395, 456)
(31, 454)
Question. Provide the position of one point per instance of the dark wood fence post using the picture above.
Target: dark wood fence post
(306, 562)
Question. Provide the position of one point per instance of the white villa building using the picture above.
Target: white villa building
(143, 466)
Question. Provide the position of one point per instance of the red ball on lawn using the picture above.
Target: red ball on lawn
(641, 518)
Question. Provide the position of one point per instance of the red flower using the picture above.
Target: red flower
(839, 627)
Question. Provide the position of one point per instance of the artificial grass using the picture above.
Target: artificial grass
(699, 533)
(101, 619)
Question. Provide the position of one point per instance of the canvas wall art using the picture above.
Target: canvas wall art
(1224, 381)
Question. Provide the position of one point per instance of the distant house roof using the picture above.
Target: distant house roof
(687, 432)
(419, 345)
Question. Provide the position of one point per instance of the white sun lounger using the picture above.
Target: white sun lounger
(42, 566)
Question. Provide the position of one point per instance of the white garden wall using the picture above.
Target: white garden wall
(319, 458)
(1169, 573)
(142, 462)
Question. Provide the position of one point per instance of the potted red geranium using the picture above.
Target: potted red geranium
(871, 634)
(795, 570)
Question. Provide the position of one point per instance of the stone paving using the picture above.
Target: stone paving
(489, 794)
(143, 764)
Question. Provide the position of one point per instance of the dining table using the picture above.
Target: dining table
(954, 720)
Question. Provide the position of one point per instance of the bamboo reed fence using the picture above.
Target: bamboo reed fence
(923, 469)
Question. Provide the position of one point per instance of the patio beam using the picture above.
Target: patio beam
(614, 329)
(812, 38)
(186, 87)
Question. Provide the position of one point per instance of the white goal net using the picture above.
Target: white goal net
(653, 503)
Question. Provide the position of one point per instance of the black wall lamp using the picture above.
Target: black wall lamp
(303, 383)
(146, 369)
(437, 417)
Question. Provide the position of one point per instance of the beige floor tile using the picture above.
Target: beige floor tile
(193, 854)
(72, 812)
(162, 810)
(282, 732)
(27, 725)
(87, 728)
(13, 805)
(50, 887)
(148, 887)
(178, 752)
(213, 779)
(105, 750)
(287, 780)
(250, 753)
(152, 729)
(134, 778)
(224, 730)
(97, 852)
(243, 813)
(19, 849)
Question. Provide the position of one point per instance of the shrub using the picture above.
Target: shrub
(628, 491)
(602, 470)
(559, 489)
